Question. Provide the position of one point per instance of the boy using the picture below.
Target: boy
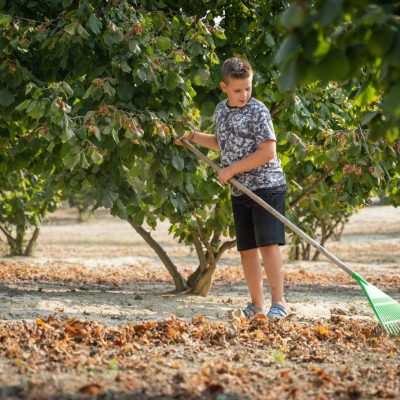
(245, 136)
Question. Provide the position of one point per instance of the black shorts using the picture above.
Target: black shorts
(255, 226)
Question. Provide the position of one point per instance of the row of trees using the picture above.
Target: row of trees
(93, 93)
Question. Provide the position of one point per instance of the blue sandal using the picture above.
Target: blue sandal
(277, 311)
(251, 310)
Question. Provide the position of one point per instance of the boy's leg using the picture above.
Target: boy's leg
(254, 276)
(275, 273)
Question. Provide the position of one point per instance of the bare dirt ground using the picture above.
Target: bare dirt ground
(91, 315)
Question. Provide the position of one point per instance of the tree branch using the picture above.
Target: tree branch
(208, 246)
(6, 233)
(276, 108)
(311, 188)
(179, 281)
(29, 248)
(200, 253)
(226, 246)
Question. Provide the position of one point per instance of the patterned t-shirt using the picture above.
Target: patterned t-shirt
(239, 132)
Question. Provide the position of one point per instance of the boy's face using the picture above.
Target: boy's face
(238, 91)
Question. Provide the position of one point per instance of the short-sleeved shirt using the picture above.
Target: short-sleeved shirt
(239, 132)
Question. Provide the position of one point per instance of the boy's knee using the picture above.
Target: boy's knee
(270, 248)
(248, 252)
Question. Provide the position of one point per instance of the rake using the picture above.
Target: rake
(385, 308)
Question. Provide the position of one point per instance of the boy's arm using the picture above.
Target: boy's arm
(203, 139)
(265, 152)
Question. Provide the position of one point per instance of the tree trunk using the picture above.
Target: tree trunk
(306, 251)
(194, 277)
(297, 252)
(202, 285)
(83, 214)
(29, 248)
(179, 281)
(200, 281)
(16, 244)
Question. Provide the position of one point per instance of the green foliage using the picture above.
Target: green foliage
(25, 199)
(99, 93)
(353, 42)
(83, 199)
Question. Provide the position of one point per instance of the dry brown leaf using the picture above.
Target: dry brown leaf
(93, 389)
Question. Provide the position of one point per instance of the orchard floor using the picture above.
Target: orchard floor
(92, 315)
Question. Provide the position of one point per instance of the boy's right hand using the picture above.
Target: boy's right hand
(186, 136)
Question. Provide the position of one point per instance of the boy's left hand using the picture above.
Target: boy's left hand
(225, 174)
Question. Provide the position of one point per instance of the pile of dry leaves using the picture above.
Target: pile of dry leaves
(339, 357)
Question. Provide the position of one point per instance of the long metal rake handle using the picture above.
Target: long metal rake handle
(275, 213)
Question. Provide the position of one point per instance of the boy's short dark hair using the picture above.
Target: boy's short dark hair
(236, 67)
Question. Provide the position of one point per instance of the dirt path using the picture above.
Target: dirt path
(72, 259)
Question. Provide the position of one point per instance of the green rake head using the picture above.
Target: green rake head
(385, 308)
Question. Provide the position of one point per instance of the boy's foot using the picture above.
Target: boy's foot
(277, 311)
(250, 311)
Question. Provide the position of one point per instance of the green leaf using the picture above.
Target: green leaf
(68, 90)
(369, 116)
(391, 101)
(330, 10)
(293, 16)
(84, 162)
(94, 24)
(23, 106)
(138, 217)
(174, 202)
(380, 41)
(134, 47)
(96, 156)
(81, 132)
(178, 163)
(71, 28)
(269, 40)
(108, 199)
(218, 32)
(366, 96)
(71, 159)
(67, 135)
(189, 188)
(6, 97)
(35, 109)
(207, 108)
(322, 48)
(112, 38)
(289, 48)
(82, 32)
(290, 76)
(108, 89)
(334, 67)
(125, 91)
(170, 81)
(4, 19)
(163, 43)
(141, 74)
(202, 77)
(114, 135)
(125, 67)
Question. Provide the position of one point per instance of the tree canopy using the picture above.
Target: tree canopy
(353, 42)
